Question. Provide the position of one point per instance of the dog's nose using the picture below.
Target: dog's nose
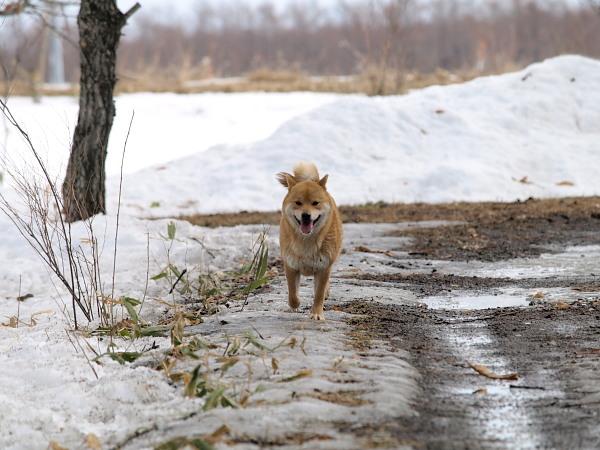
(306, 217)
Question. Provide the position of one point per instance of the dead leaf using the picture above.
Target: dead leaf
(586, 288)
(481, 391)
(300, 374)
(482, 370)
(53, 445)
(12, 322)
(524, 180)
(565, 183)
(363, 249)
(472, 232)
(347, 398)
(561, 305)
(540, 294)
(439, 111)
(275, 364)
(33, 321)
(217, 436)
(93, 441)
(592, 351)
(22, 298)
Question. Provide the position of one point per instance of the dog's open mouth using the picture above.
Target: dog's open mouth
(307, 224)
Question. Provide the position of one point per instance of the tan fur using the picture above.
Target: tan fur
(310, 234)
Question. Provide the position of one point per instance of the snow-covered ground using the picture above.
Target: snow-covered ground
(530, 133)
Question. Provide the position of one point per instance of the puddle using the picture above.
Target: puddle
(467, 302)
(381, 255)
(580, 260)
(513, 297)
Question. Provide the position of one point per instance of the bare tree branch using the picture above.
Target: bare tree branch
(594, 6)
(30, 6)
(132, 11)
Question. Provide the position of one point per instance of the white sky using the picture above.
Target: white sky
(177, 10)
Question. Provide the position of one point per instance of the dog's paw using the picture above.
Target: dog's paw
(317, 316)
(294, 303)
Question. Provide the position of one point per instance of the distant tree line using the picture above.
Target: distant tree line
(230, 39)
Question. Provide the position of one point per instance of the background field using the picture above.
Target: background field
(368, 46)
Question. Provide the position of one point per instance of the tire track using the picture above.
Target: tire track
(554, 404)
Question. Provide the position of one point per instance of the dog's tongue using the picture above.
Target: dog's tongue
(306, 227)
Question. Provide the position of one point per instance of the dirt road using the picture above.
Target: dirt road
(552, 346)
(523, 376)
(553, 402)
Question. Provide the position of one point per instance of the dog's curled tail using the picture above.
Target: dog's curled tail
(303, 171)
(306, 171)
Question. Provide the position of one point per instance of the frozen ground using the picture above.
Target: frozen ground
(531, 133)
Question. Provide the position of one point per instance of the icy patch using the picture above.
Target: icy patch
(468, 302)
(574, 261)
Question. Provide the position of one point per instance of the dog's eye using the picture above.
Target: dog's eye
(299, 203)
(315, 203)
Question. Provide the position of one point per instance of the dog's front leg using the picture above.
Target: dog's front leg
(321, 291)
(293, 281)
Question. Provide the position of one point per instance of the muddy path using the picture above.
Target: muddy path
(548, 349)
(553, 402)
(551, 347)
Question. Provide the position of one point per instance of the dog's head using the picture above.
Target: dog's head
(307, 204)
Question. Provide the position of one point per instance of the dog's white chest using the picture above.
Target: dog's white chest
(307, 263)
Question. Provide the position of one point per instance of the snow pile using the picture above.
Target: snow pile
(155, 128)
(531, 133)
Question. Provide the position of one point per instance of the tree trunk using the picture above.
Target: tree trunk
(100, 23)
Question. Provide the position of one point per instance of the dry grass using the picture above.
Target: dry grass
(368, 82)
(26, 88)
(371, 81)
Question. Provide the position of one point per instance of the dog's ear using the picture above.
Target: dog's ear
(323, 181)
(286, 179)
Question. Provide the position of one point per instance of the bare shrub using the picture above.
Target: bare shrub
(37, 215)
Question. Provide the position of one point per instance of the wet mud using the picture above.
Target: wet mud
(555, 354)
(553, 349)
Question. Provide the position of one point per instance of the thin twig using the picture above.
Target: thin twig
(257, 332)
(82, 351)
(147, 273)
(183, 272)
(203, 246)
(19, 303)
(119, 205)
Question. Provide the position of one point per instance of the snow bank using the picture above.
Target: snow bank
(531, 133)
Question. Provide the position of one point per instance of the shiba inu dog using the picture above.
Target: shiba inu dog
(310, 234)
